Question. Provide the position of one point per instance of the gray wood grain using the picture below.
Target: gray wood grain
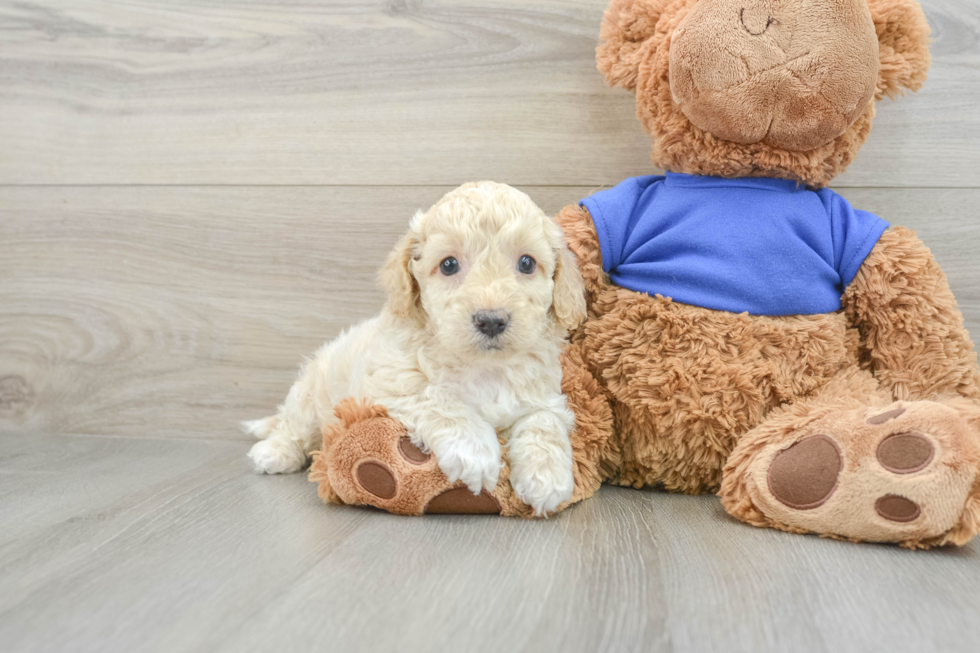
(180, 311)
(383, 92)
(137, 544)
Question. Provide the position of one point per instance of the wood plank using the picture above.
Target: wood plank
(179, 311)
(400, 92)
(202, 555)
(182, 310)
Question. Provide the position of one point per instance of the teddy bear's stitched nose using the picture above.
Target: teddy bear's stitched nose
(756, 21)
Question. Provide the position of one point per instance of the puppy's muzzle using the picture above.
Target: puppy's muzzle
(491, 323)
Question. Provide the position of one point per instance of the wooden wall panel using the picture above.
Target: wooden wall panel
(178, 311)
(382, 92)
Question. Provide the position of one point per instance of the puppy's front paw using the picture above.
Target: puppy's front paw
(542, 479)
(474, 461)
(277, 457)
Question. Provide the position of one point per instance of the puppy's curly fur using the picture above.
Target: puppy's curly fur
(453, 384)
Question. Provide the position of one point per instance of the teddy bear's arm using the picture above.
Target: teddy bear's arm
(582, 240)
(911, 331)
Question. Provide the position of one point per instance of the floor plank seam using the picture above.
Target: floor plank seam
(432, 185)
(139, 438)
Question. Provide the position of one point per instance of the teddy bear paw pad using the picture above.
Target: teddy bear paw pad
(894, 474)
(460, 501)
(805, 475)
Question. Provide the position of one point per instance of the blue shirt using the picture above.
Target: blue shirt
(765, 246)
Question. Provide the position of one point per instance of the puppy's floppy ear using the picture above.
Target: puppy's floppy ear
(626, 26)
(903, 46)
(404, 297)
(568, 302)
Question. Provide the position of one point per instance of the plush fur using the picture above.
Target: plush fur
(453, 386)
(695, 400)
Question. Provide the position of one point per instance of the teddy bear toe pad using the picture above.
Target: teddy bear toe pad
(376, 479)
(410, 452)
(898, 509)
(885, 416)
(905, 453)
(878, 475)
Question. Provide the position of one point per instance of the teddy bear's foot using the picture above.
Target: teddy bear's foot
(905, 473)
(369, 459)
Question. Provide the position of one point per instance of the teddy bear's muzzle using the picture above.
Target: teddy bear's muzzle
(793, 74)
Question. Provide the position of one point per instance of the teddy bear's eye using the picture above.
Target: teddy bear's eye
(526, 264)
(449, 266)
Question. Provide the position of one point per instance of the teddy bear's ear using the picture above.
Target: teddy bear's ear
(626, 26)
(903, 46)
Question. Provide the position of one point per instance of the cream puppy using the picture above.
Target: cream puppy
(481, 294)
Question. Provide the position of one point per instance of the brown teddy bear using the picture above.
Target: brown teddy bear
(749, 332)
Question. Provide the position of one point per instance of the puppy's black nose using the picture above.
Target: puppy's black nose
(491, 323)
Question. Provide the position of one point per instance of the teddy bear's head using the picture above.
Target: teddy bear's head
(775, 88)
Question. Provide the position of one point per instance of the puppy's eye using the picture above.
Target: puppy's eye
(449, 266)
(526, 264)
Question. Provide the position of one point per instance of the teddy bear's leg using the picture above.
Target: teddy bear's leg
(593, 447)
(888, 452)
(367, 458)
(851, 463)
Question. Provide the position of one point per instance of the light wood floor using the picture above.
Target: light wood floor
(196, 193)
